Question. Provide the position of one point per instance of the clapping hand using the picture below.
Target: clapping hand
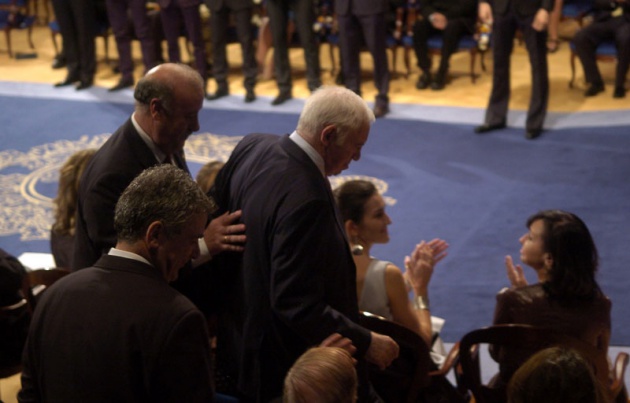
(419, 265)
(514, 273)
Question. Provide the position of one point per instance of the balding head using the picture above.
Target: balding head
(164, 82)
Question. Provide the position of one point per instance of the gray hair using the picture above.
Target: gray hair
(332, 105)
(161, 81)
(162, 193)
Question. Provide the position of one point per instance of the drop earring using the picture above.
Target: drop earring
(356, 247)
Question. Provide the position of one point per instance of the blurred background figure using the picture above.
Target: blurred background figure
(207, 174)
(555, 375)
(65, 207)
(322, 374)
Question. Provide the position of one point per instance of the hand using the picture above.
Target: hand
(419, 266)
(337, 340)
(485, 12)
(541, 20)
(439, 21)
(514, 273)
(382, 351)
(223, 235)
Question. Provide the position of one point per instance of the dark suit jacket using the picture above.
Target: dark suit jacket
(361, 7)
(179, 3)
(295, 283)
(123, 157)
(530, 305)
(523, 8)
(116, 332)
(235, 5)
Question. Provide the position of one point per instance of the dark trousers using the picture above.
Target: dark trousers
(504, 29)
(172, 18)
(587, 39)
(352, 28)
(219, 23)
(77, 24)
(118, 18)
(423, 29)
(278, 11)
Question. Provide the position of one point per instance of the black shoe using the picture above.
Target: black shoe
(281, 98)
(68, 81)
(531, 134)
(58, 63)
(250, 96)
(381, 110)
(220, 93)
(122, 84)
(423, 81)
(484, 128)
(593, 90)
(438, 83)
(620, 92)
(84, 84)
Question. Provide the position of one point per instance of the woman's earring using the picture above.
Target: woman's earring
(357, 248)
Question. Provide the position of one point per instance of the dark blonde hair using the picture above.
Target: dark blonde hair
(65, 203)
(555, 375)
(325, 372)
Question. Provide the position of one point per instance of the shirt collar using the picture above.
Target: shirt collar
(309, 150)
(128, 255)
(159, 155)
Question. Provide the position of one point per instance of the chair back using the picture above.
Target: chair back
(36, 281)
(515, 336)
(403, 380)
(14, 322)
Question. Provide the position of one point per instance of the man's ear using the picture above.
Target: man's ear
(329, 135)
(154, 234)
(156, 109)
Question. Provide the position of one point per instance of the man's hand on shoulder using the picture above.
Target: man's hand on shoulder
(222, 234)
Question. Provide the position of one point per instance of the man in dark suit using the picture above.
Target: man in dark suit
(77, 24)
(532, 17)
(452, 19)
(304, 16)
(242, 11)
(364, 19)
(172, 14)
(118, 14)
(611, 21)
(295, 282)
(168, 99)
(117, 331)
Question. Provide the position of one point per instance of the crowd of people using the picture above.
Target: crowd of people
(357, 24)
(268, 253)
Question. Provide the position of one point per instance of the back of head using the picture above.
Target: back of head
(163, 81)
(322, 375)
(332, 105)
(555, 375)
(575, 259)
(207, 174)
(351, 197)
(163, 193)
(66, 200)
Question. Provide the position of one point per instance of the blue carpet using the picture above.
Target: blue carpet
(440, 180)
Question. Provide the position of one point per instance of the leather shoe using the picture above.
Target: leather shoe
(68, 81)
(424, 81)
(593, 90)
(58, 62)
(220, 93)
(84, 84)
(381, 110)
(484, 128)
(122, 84)
(281, 98)
(620, 92)
(250, 96)
(531, 134)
